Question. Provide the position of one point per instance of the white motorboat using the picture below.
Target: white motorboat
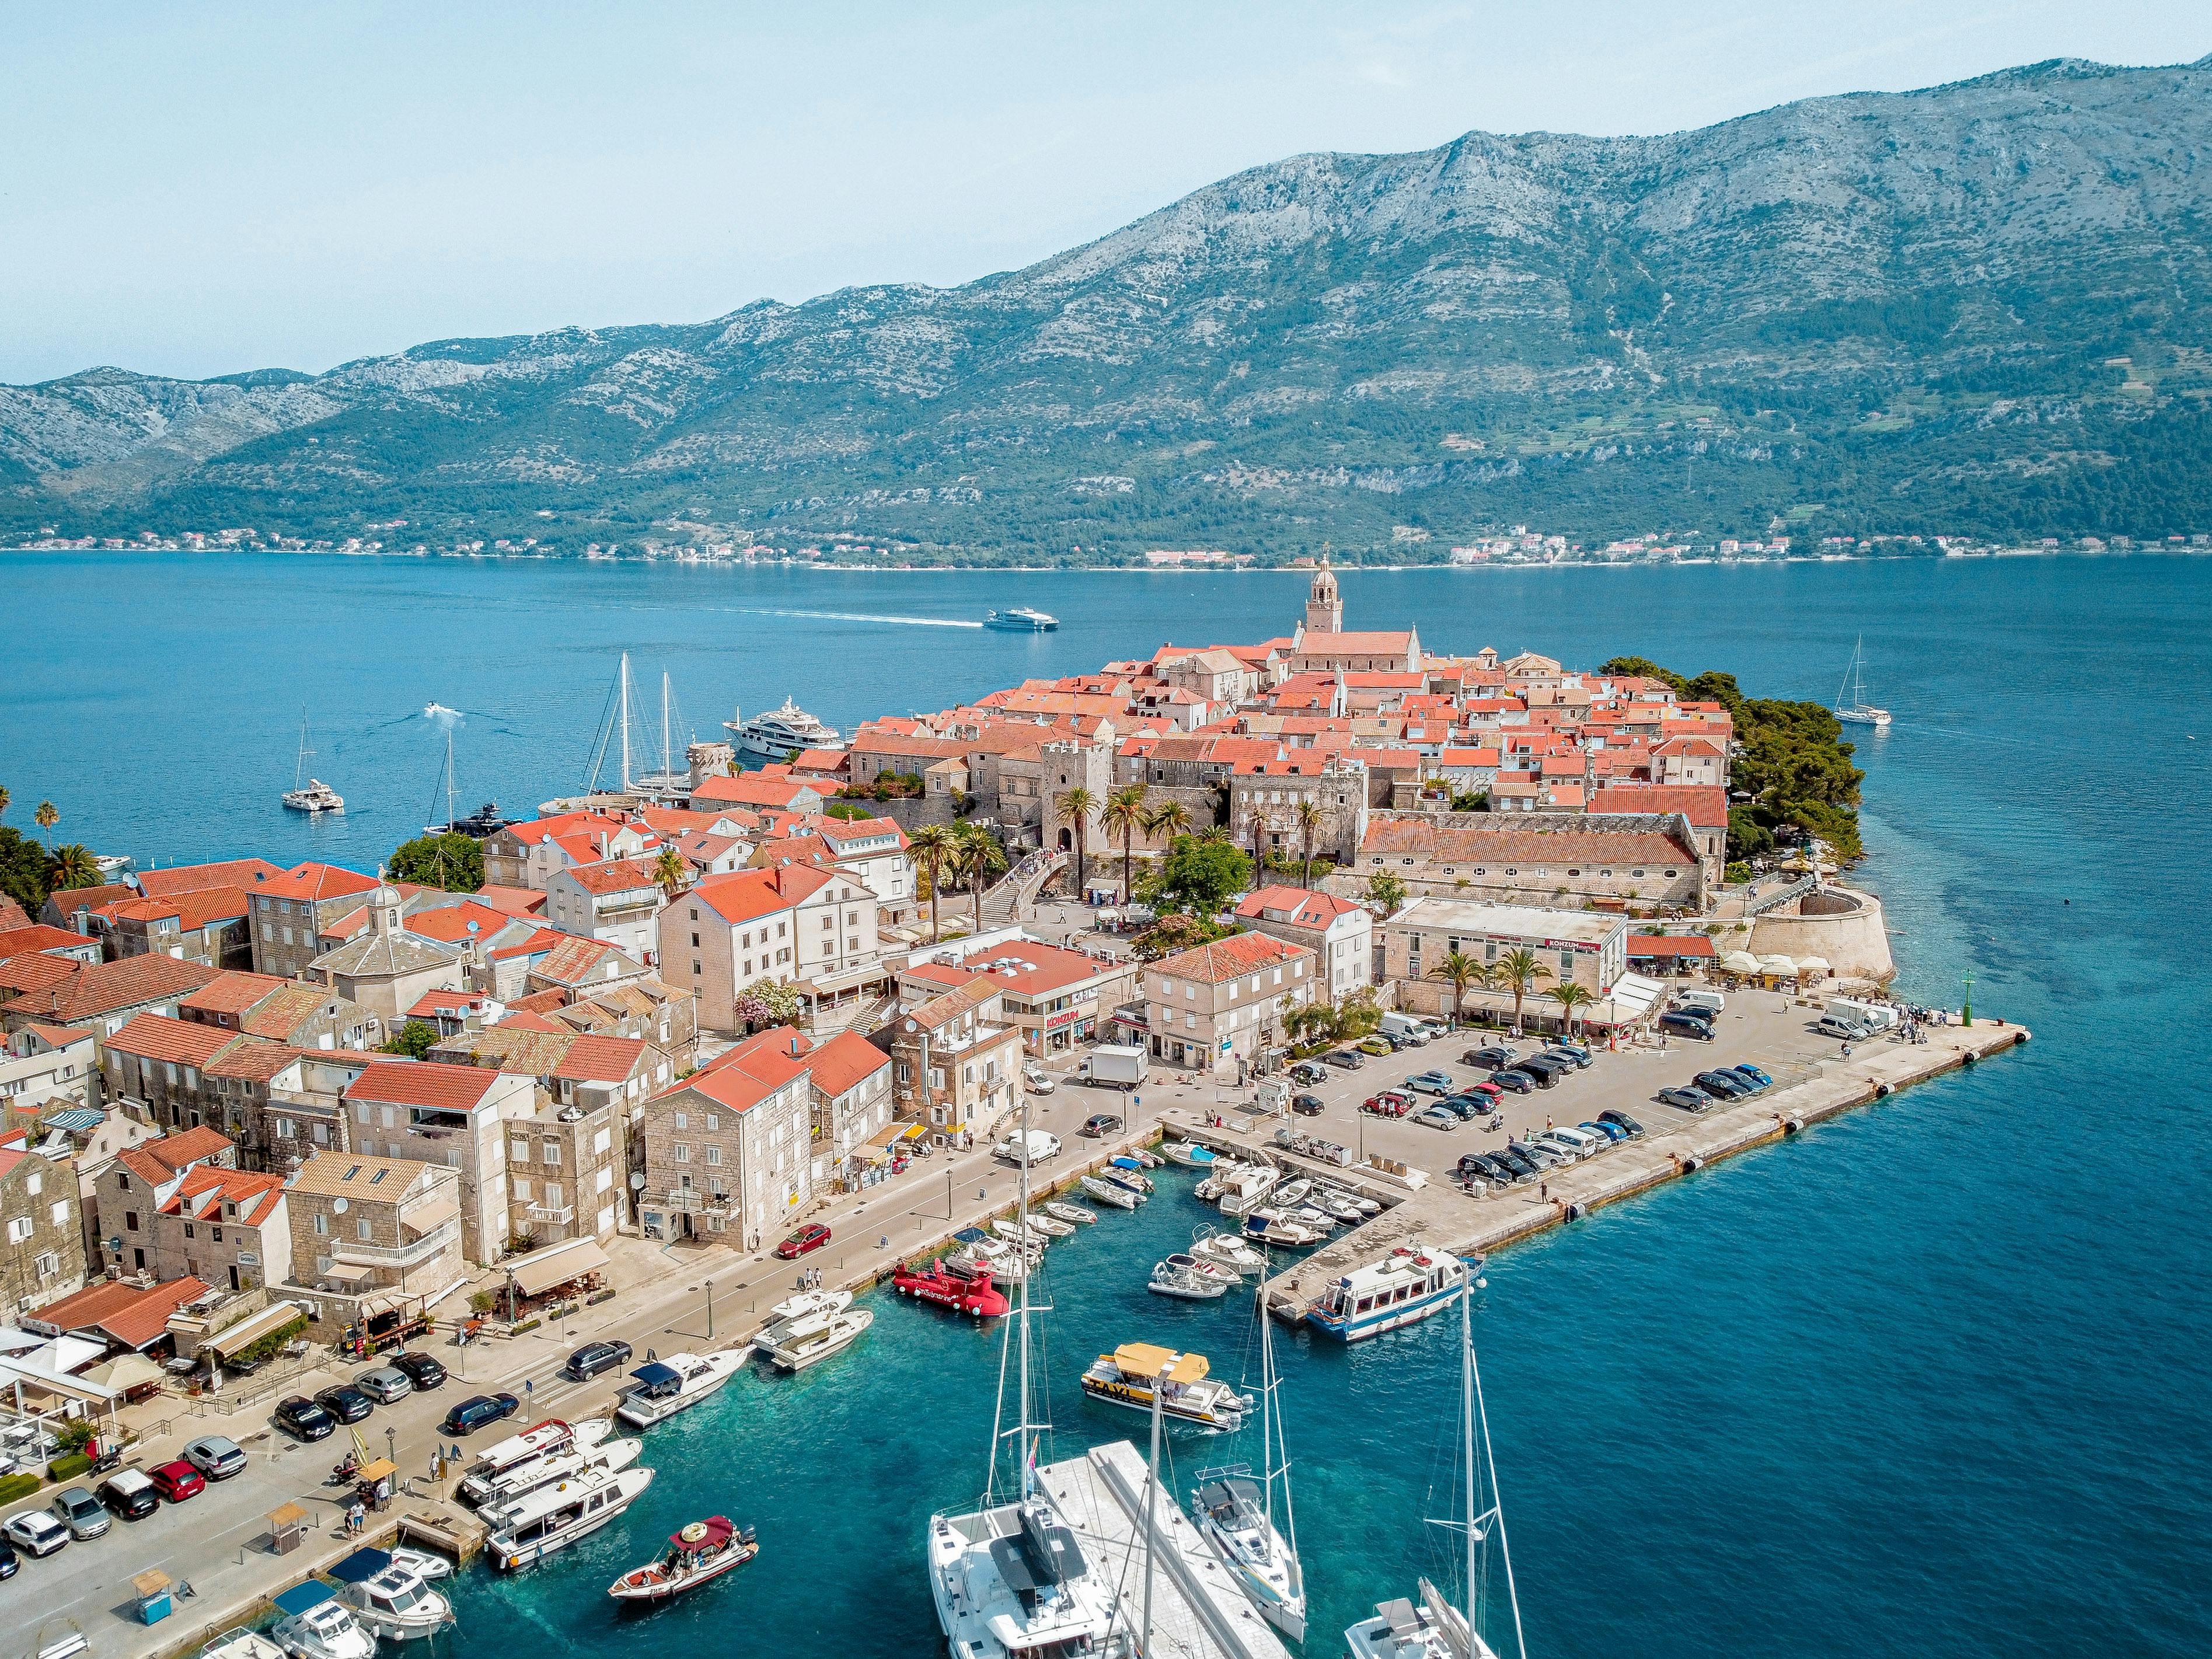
(1021, 619)
(1011, 1266)
(551, 1471)
(663, 1387)
(1851, 706)
(388, 1600)
(240, 1642)
(702, 1552)
(1187, 1394)
(1190, 1154)
(1435, 1629)
(1219, 1180)
(810, 1302)
(1062, 1211)
(813, 1338)
(1266, 1227)
(1205, 1268)
(780, 732)
(1050, 1226)
(308, 794)
(1111, 1193)
(1014, 1232)
(1236, 1515)
(512, 1457)
(1228, 1251)
(1336, 1207)
(1125, 1169)
(1181, 1283)
(319, 1626)
(1244, 1194)
(1292, 1194)
(556, 1517)
(427, 1564)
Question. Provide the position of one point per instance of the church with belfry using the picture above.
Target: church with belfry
(1321, 643)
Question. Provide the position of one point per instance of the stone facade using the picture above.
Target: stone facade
(361, 1224)
(728, 1150)
(1217, 1004)
(40, 1211)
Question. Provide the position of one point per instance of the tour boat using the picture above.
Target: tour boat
(1406, 1286)
(319, 1626)
(556, 1517)
(1190, 1154)
(663, 1387)
(969, 1291)
(1021, 619)
(513, 1456)
(775, 735)
(1112, 1192)
(1205, 1267)
(1227, 1250)
(535, 1476)
(810, 1302)
(388, 1600)
(308, 794)
(1074, 1212)
(1168, 1279)
(801, 1342)
(1187, 1394)
(1435, 1629)
(1236, 1515)
(1851, 706)
(705, 1549)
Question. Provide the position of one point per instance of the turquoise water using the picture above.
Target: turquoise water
(1924, 1379)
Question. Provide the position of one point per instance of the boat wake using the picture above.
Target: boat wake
(862, 616)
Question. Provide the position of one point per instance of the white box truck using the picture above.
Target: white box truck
(1874, 1016)
(1405, 1025)
(1112, 1066)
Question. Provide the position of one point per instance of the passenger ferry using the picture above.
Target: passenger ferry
(1405, 1287)
(1021, 619)
(560, 1515)
(1187, 1394)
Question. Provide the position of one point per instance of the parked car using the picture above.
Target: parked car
(424, 1372)
(1467, 1105)
(1308, 1073)
(479, 1411)
(303, 1419)
(1099, 1125)
(37, 1534)
(1512, 1077)
(216, 1457)
(1686, 1100)
(1581, 1142)
(1514, 1159)
(345, 1402)
(1378, 1046)
(1679, 1023)
(1495, 1058)
(1577, 1058)
(1492, 1165)
(1308, 1105)
(1543, 1156)
(1830, 1025)
(1489, 1091)
(1429, 1082)
(1723, 1085)
(384, 1384)
(1546, 1069)
(128, 1494)
(1388, 1103)
(1438, 1117)
(10, 1562)
(177, 1480)
(1621, 1120)
(80, 1512)
(811, 1237)
(1597, 1126)
(1344, 1058)
(1576, 1052)
(1036, 1079)
(589, 1361)
(1747, 1069)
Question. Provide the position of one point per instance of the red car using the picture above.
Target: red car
(1490, 1090)
(1388, 1103)
(805, 1239)
(177, 1481)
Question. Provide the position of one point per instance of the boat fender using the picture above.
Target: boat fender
(1692, 1162)
(1794, 1126)
(1577, 1211)
(2019, 1038)
(1881, 1091)
(1968, 1058)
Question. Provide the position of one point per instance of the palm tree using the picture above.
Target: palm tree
(1460, 971)
(1570, 996)
(1259, 851)
(71, 866)
(1124, 815)
(1310, 817)
(927, 849)
(46, 816)
(1168, 820)
(670, 871)
(1518, 970)
(1073, 808)
(5, 797)
(977, 856)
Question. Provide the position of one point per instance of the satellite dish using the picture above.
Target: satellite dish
(339, 1204)
(474, 926)
(637, 1182)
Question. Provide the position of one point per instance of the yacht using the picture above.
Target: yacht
(1187, 1394)
(1405, 1287)
(388, 1600)
(1241, 1193)
(779, 732)
(1009, 1578)
(702, 1550)
(1434, 1629)
(799, 1343)
(810, 1302)
(1236, 1515)
(1021, 619)
(317, 1626)
(535, 1476)
(309, 794)
(557, 1516)
(514, 1455)
(665, 1386)
(1851, 706)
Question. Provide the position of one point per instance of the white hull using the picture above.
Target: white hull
(844, 1329)
(508, 1554)
(1074, 1212)
(1110, 1193)
(644, 1413)
(1863, 716)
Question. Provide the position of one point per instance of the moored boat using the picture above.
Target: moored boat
(1049, 1227)
(1242, 1194)
(1406, 1286)
(1205, 1268)
(511, 1457)
(702, 1550)
(810, 1302)
(239, 1642)
(813, 1337)
(1187, 1394)
(1237, 1516)
(1227, 1250)
(1265, 1226)
(1112, 1192)
(968, 1290)
(317, 1626)
(556, 1517)
(1190, 1154)
(1181, 1283)
(661, 1388)
(537, 1475)
(390, 1599)
(1065, 1211)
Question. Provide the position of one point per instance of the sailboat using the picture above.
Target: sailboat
(1010, 1579)
(1851, 706)
(309, 794)
(666, 786)
(1435, 1629)
(1235, 1514)
(484, 820)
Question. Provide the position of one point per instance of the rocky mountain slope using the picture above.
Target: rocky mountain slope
(1977, 308)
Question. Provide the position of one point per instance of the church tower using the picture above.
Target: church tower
(1325, 605)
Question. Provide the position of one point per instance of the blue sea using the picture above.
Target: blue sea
(1927, 1380)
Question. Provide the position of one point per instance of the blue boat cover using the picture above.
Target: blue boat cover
(298, 1599)
(970, 1235)
(1125, 1162)
(360, 1567)
(657, 1376)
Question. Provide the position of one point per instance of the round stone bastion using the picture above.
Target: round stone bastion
(1841, 924)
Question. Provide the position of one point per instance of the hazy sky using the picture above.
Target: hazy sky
(198, 189)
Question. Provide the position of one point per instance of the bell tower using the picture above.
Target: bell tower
(1324, 605)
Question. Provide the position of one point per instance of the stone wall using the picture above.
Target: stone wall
(1841, 924)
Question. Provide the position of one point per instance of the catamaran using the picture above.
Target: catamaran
(1851, 706)
(309, 794)
(1235, 1514)
(1435, 1629)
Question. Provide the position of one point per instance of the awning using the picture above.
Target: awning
(1814, 965)
(347, 1273)
(541, 1270)
(435, 1213)
(1741, 962)
(362, 1564)
(249, 1330)
(1633, 997)
(125, 1372)
(379, 1301)
(1778, 967)
(1655, 946)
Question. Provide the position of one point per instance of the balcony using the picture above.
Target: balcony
(690, 1200)
(558, 1217)
(359, 1253)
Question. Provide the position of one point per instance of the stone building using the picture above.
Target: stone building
(290, 1012)
(616, 901)
(1338, 932)
(451, 1115)
(207, 925)
(291, 911)
(1537, 858)
(566, 1170)
(385, 967)
(140, 1178)
(728, 1150)
(956, 1061)
(44, 1229)
(1215, 1005)
(225, 1227)
(1588, 947)
(849, 1085)
(362, 1227)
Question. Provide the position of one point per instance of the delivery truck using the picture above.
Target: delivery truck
(1112, 1066)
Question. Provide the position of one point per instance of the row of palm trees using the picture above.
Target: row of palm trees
(1126, 813)
(1518, 970)
(965, 852)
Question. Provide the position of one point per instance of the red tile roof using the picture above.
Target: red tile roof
(573, 960)
(16, 941)
(191, 877)
(119, 1309)
(1648, 944)
(600, 1060)
(741, 1078)
(745, 896)
(1295, 906)
(253, 1060)
(205, 1188)
(425, 1084)
(844, 1062)
(231, 992)
(615, 876)
(1705, 806)
(458, 923)
(180, 1042)
(1226, 958)
(104, 987)
(511, 900)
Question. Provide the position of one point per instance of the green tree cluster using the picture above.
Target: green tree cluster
(1198, 877)
(414, 1039)
(451, 862)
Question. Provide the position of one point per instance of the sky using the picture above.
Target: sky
(199, 190)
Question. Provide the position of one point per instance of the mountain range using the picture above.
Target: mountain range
(1983, 308)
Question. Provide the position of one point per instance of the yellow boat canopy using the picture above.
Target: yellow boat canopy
(1150, 1360)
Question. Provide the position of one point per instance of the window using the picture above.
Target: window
(683, 1153)
(59, 1214)
(130, 1221)
(714, 1156)
(363, 1231)
(188, 1231)
(683, 1120)
(322, 1224)
(218, 1235)
(551, 1158)
(19, 1228)
(519, 1150)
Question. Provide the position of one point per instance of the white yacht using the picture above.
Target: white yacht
(776, 734)
(535, 1476)
(389, 1600)
(514, 1457)
(239, 1642)
(316, 1625)
(665, 1386)
(1851, 706)
(308, 794)
(799, 1343)
(557, 1516)
(1021, 619)
(810, 1302)
(1236, 1515)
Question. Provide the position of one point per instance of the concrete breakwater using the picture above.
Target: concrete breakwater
(1439, 1215)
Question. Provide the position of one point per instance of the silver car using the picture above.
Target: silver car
(85, 1516)
(216, 1456)
(384, 1384)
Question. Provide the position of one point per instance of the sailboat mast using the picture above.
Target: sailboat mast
(449, 778)
(625, 722)
(300, 767)
(1022, 1439)
(1497, 1500)
(1153, 1508)
(1466, 1420)
(666, 768)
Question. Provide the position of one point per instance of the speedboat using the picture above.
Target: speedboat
(1048, 1226)
(1130, 1169)
(795, 1346)
(1021, 619)
(1204, 1268)
(966, 1291)
(388, 1600)
(1127, 1375)
(1232, 1511)
(1168, 1279)
(427, 1564)
(1112, 1192)
(705, 1549)
(1190, 1154)
(1074, 1212)
(556, 1517)
(1228, 1251)
(319, 1626)
(240, 1642)
(663, 1387)
(1265, 1226)
(551, 1471)
(497, 1465)
(810, 1302)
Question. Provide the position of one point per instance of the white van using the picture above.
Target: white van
(1872, 1015)
(1582, 1140)
(1406, 1026)
(1710, 1002)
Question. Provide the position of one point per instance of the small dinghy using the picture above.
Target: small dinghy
(1190, 1154)
(1074, 1212)
(1292, 1192)
(1015, 1232)
(1204, 1268)
(1168, 1279)
(705, 1549)
(1112, 1192)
